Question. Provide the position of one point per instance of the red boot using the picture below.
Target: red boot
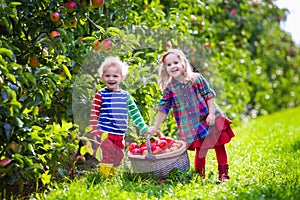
(201, 172)
(223, 173)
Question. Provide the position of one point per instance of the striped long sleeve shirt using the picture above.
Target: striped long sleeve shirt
(109, 112)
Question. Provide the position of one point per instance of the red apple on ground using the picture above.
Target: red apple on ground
(54, 34)
(54, 16)
(33, 62)
(97, 3)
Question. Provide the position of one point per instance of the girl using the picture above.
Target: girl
(200, 122)
(109, 115)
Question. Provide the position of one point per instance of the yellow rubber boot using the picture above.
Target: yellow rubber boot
(105, 169)
(113, 171)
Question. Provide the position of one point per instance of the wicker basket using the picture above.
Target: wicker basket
(159, 166)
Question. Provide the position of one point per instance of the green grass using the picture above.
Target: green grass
(264, 164)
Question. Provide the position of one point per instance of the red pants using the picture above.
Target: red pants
(200, 157)
(112, 150)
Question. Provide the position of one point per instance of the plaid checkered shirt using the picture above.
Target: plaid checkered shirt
(188, 101)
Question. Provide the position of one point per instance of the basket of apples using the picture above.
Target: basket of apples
(157, 157)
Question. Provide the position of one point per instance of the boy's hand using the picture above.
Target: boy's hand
(150, 131)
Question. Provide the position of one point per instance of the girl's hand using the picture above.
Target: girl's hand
(195, 76)
(211, 119)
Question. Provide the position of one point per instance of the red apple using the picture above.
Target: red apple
(70, 6)
(96, 45)
(142, 149)
(54, 34)
(136, 151)
(54, 16)
(233, 11)
(4, 162)
(156, 149)
(162, 143)
(98, 3)
(169, 141)
(143, 145)
(145, 152)
(34, 62)
(133, 146)
(106, 45)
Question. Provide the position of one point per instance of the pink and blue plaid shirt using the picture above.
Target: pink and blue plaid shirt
(188, 101)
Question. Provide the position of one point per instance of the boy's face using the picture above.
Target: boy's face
(112, 77)
(174, 66)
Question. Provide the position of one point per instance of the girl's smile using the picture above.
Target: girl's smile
(174, 66)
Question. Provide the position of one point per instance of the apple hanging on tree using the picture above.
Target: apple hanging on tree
(106, 45)
(54, 34)
(54, 16)
(97, 3)
(33, 62)
(70, 6)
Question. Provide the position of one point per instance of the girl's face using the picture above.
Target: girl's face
(174, 66)
(112, 77)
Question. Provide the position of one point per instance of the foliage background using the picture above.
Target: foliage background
(253, 63)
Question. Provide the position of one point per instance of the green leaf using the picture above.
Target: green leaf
(6, 52)
(46, 178)
(67, 71)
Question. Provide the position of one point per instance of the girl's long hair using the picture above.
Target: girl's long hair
(164, 77)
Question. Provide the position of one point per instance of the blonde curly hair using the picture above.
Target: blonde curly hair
(164, 77)
(113, 61)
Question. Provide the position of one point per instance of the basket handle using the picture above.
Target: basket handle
(150, 155)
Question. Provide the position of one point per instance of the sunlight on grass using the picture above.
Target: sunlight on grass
(264, 164)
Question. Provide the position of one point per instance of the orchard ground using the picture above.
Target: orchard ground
(262, 159)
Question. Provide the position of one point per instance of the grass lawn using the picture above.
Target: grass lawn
(264, 164)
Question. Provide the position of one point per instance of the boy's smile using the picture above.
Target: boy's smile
(112, 78)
